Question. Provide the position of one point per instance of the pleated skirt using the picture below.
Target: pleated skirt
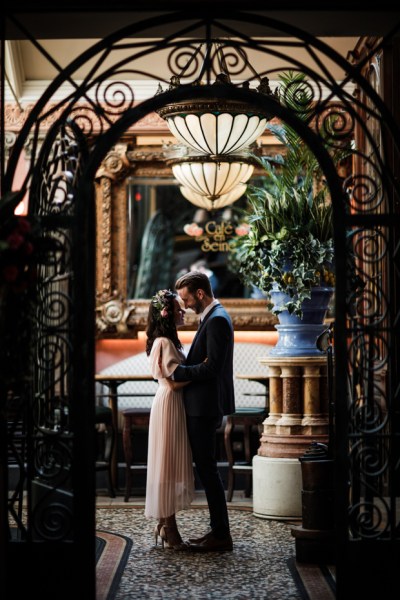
(170, 475)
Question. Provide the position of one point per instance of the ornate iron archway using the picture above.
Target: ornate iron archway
(59, 370)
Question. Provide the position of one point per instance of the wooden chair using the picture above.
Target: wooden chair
(248, 418)
(133, 418)
(106, 438)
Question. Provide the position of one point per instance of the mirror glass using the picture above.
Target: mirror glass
(148, 234)
(168, 236)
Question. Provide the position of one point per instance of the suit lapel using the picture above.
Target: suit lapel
(195, 337)
(201, 325)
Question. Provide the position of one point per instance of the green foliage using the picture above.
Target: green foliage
(289, 245)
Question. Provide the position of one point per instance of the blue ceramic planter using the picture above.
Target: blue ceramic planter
(298, 337)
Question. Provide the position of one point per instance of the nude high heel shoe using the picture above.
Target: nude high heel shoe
(170, 538)
(157, 533)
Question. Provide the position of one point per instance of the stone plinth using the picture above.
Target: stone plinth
(298, 405)
(299, 414)
(276, 488)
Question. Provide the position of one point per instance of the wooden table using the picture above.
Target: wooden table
(112, 382)
(260, 378)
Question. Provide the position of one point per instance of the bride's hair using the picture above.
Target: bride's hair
(161, 319)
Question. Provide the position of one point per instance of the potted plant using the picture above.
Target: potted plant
(287, 252)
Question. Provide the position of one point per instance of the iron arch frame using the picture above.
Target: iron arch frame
(60, 185)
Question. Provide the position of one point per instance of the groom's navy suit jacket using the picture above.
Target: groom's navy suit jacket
(211, 391)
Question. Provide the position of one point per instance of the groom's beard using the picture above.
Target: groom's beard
(198, 307)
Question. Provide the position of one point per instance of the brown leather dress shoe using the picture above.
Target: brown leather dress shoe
(201, 539)
(213, 544)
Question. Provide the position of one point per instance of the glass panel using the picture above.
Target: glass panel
(207, 251)
(217, 134)
(224, 200)
(212, 179)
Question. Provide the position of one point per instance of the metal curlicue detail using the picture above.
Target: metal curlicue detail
(217, 126)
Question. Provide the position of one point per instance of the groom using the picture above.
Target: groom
(209, 396)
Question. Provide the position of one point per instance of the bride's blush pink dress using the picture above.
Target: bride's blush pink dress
(170, 475)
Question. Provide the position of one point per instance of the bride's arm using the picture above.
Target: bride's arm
(176, 385)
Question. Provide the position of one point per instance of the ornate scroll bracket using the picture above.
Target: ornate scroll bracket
(122, 318)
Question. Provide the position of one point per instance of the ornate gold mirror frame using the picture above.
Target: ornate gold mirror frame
(116, 315)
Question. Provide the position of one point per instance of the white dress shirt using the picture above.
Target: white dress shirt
(208, 308)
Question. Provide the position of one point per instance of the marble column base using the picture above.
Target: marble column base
(288, 446)
(277, 484)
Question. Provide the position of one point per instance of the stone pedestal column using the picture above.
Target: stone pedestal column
(315, 411)
(275, 399)
(303, 401)
(291, 401)
(298, 415)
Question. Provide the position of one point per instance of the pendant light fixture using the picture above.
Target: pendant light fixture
(211, 205)
(214, 127)
(211, 178)
(207, 181)
(217, 126)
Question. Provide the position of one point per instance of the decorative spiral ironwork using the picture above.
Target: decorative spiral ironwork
(369, 417)
(372, 307)
(185, 60)
(365, 191)
(369, 459)
(369, 521)
(368, 353)
(53, 351)
(53, 459)
(56, 307)
(335, 125)
(117, 97)
(299, 96)
(88, 119)
(55, 172)
(231, 57)
(370, 245)
(53, 520)
(224, 58)
(58, 176)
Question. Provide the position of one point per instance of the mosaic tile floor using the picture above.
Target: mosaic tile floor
(256, 569)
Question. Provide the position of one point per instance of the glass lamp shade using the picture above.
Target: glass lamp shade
(215, 128)
(210, 205)
(211, 178)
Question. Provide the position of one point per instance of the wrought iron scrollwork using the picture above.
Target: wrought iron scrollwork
(367, 225)
(52, 434)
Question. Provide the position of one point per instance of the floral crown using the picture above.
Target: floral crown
(162, 300)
